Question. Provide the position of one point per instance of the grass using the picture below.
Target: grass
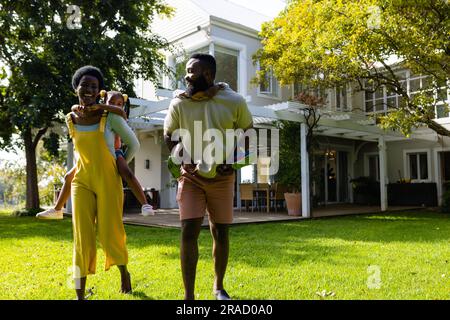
(313, 259)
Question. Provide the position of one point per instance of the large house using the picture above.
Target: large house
(350, 144)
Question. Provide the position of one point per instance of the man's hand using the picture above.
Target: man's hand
(225, 169)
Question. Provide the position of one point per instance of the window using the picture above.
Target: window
(270, 87)
(442, 99)
(418, 166)
(317, 92)
(227, 66)
(375, 101)
(418, 83)
(341, 99)
(374, 171)
(180, 67)
(385, 98)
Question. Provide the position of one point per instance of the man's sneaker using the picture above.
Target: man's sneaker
(221, 295)
(147, 210)
(50, 214)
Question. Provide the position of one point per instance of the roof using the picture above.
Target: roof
(191, 14)
(232, 12)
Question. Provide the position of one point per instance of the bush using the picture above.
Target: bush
(289, 158)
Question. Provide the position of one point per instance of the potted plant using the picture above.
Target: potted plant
(289, 168)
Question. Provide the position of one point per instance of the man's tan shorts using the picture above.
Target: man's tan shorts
(197, 194)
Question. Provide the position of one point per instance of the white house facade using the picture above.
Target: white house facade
(350, 144)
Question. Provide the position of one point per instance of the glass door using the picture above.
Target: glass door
(343, 182)
(331, 176)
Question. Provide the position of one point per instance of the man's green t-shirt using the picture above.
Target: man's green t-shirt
(225, 110)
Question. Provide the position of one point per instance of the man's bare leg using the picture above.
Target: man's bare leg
(221, 248)
(190, 230)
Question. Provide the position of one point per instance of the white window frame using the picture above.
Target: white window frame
(269, 94)
(327, 94)
(213, 40)
(439, 103)
(348, 103)
(406, 166)
(409, 92)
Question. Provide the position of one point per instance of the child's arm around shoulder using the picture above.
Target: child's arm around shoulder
(121, 128)
(110, 108)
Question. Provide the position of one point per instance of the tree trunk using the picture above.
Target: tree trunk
(32, 201)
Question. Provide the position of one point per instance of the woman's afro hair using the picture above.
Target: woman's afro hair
(87, 70)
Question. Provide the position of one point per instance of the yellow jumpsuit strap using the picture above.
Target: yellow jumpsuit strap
(103, 121)
(69, 124)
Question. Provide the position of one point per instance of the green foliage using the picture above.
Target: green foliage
(42, 52)
(51, 144)
(12, 181)
(50, 172)
(332, 42)
(289, 157)
(41, 47)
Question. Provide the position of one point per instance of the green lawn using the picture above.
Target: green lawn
(291, 260)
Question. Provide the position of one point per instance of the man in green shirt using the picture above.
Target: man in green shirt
(205, 184)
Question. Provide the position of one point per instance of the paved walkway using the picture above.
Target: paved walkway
(169, 218)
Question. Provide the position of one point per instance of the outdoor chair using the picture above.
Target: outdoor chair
(277, 195)
(246, 191)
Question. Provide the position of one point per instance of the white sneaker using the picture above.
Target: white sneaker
(147, 210)
(50, 214)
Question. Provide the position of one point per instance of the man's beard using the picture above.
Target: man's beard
(199, 84)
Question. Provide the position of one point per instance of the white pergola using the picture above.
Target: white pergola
(149, 115)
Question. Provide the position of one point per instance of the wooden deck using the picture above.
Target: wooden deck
(169, 218)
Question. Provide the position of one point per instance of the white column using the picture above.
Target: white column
(304, 159)
(383, 173)
(211, 48)
(69, 166)
(167, 80)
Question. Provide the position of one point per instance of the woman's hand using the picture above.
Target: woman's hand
(79, 110)
(85, 111)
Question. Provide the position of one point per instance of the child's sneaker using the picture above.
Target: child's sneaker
(50, 214)
(147, 210)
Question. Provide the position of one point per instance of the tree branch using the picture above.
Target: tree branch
(38, 137)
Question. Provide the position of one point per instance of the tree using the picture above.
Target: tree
(43, 42)
(329, 43)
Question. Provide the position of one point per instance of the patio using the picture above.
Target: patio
(169, 217)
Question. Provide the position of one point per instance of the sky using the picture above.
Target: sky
(270, 8)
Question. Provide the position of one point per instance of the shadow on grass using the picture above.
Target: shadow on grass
(141, 295)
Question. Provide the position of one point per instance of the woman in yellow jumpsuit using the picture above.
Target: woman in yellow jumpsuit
(97, 196)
